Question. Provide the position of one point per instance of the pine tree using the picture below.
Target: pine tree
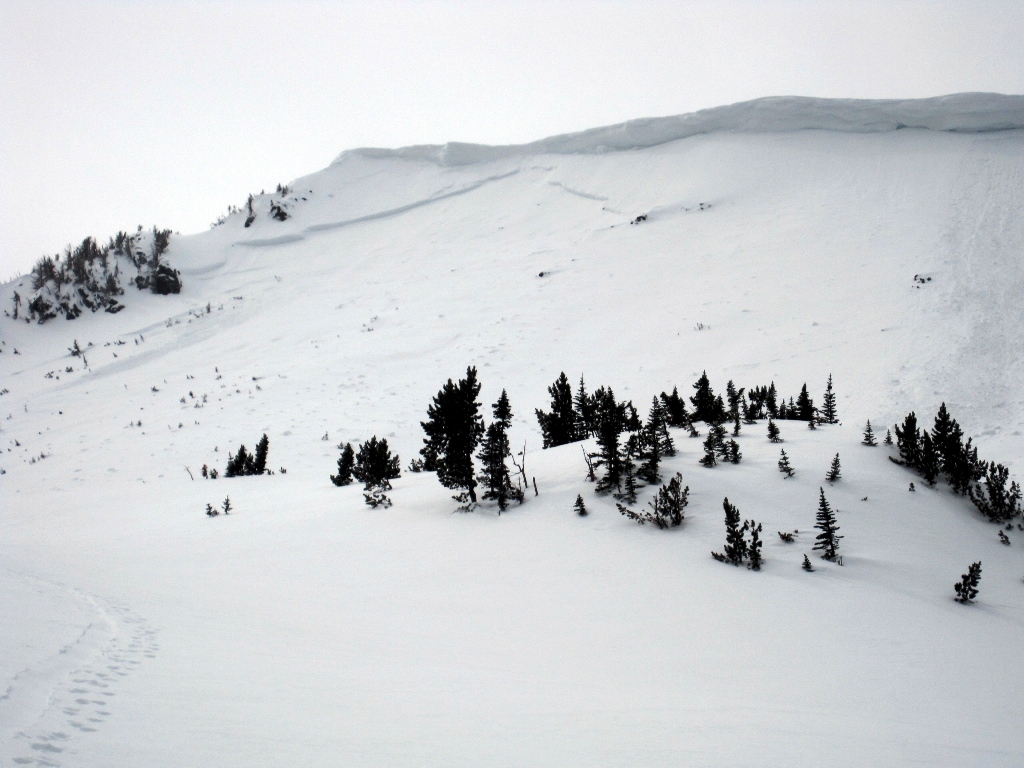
(828, 408)
(655, 442)
(561, 425)
(834, 472)
(583, 405)
(804, 405)
(774, 435)
(908, 440)
(346, 463)
(705, 407)
(807, 564)
(734, 452)
(967, 588)
(260, 459)
(997, 502)
(710, 453)
(888, 437)
(942, 433)
(226, 506)
(667, 507)
(869, 435)
(454, 428)
(754, 548)
(828, 540)
(375, 465)
(238, 463)
(735, 542)
(630, 450)
(211, 511)
(675, 408)
(733, 395)
(784, 467)
(770, 401)
(736, 423)
(580, 507)
(495, 449)
(929, 459)
(609, 426)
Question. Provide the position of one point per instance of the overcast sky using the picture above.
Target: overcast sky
(164, 112)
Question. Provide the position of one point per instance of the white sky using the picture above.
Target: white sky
(114, 114)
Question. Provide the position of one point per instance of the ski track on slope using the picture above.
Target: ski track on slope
(77, 688)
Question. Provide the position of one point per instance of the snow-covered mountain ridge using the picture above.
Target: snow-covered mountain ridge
(961, 113)
(305, 628)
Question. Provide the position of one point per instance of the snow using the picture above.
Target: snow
(781, 243)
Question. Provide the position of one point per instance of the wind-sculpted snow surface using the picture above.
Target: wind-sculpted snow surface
(304, 628)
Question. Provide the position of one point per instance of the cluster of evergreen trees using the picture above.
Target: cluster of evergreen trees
(373, 465)
(455, 429)
(737, 549)
(245, 463)
(89, 276)
(666, 508)
(944, 452)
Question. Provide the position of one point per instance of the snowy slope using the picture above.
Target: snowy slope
(781, 243)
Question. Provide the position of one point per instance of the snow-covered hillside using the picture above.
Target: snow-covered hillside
(781, 240)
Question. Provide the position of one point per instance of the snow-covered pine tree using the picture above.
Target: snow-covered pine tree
(828, 540)
(807, 564)
(735, 543)
(967, 588)
(784, 467)
(561, 425)
(835, 471)
(454, 428)
(869, 435)
(346, 463)
(828, 407)
(579, 506)
(888, 437)
(495, 449)
(774, 434)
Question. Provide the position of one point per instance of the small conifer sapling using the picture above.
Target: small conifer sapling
(869, 435)
(834, 472)
(580, 507)
(784, 466)
(807, 564)
(967, 588)
(828, 540)
(774, 434)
